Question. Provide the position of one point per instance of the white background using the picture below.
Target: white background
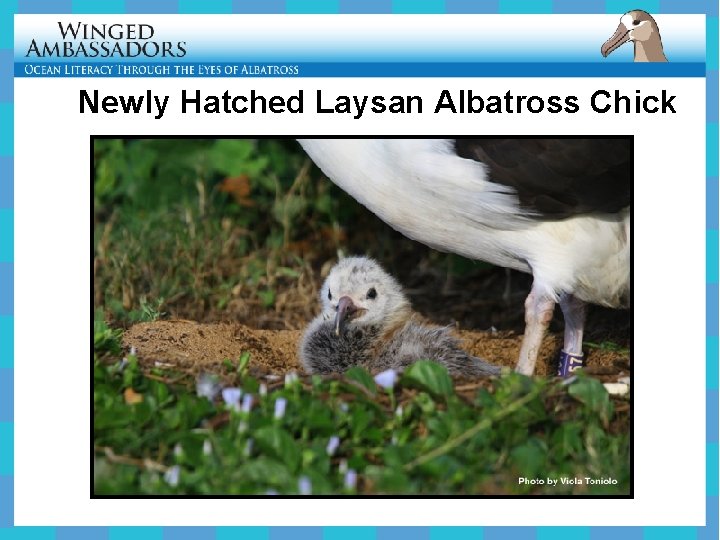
(52, 295)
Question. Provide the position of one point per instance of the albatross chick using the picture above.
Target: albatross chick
(366, 320)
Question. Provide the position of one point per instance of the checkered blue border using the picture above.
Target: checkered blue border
(10, 7)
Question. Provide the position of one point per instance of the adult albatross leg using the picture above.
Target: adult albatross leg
(571, 356)
(539, 307)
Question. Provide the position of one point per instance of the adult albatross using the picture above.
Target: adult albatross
(556, 208)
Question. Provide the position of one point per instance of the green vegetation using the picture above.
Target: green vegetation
(608, 346)
(208, 228)
(158, 437)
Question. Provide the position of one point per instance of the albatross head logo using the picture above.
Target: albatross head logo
(639, 27)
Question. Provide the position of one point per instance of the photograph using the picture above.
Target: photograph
(362, 317)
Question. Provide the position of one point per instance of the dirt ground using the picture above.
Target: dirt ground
(197, 347)
(486, 308)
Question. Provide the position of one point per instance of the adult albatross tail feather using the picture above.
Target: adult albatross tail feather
(558, 208)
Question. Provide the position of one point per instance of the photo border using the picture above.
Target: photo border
(9, 7)
(91, 319)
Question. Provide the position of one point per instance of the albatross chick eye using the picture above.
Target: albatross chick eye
(372, 294)
(635, 23)
(329, 295)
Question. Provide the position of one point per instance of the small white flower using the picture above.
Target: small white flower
(344, 407)
(247, 403)
(291, 378)
(332, 445)
(242, 426)
(263, 389)
(172, 476)
(207, 386)
(394, 440)
(350, 479)
(207, 447)
(231, 397)
(304, 486)
(399, 411)
(280, 404)
(343, 466)
(387, 378)
(178, 450)
(133, 350)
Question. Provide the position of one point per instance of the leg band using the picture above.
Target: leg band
(569, 363)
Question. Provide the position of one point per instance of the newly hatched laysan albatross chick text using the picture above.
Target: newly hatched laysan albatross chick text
(462, 102)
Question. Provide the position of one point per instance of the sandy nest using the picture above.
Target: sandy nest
(196, 347)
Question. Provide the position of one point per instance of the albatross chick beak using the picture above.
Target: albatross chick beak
(621, 35)
(345, 309)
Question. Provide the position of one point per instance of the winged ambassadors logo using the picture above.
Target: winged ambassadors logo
(83, 40)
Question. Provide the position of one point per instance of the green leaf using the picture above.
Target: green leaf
(288, 272)
(279, 444)
(360, 419)
(530, 457)
(105, 339)
(429, 376)
(267, 297)
(131, 371)
(567, 440)
(593, 395)
(388, 479)
(289, 208)
(361, 376)
(325, 204)
(243, 363)
(318, 416)
(264, 470)
(232, 157)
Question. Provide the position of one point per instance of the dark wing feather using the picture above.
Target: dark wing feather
(559, 178)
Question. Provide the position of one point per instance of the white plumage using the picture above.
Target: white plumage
(425, 190)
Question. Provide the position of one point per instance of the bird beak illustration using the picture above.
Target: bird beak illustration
(345, 309)
(621, 35)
